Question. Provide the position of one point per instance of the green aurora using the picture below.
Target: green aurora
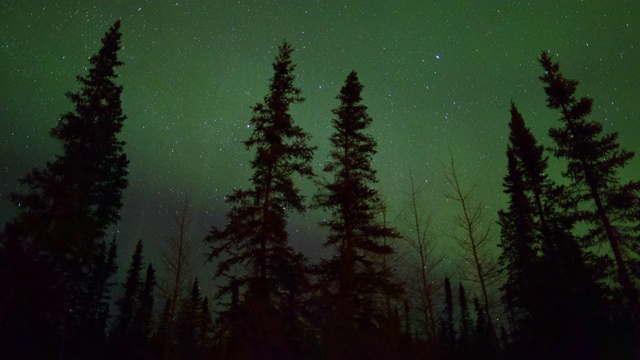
(438, 79)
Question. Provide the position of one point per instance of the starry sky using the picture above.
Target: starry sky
(438, 79)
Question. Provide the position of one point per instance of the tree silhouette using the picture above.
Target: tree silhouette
(449, 335)
(143, 320)
(68, 204)
(205, 329)
(423, 244)
(255, 239)
(162, 342)
(188, 323)
(129, 301)
(519, 241)
(466, 326)
(482, 268)
(133, 328)
(483, 339)
(547, 270)
(350, 277)
(176, 266)
(594, 161)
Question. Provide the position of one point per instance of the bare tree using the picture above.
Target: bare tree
(176, 260)
(423, 245)
(479, 266)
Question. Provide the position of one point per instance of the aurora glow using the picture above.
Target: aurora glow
(438, 77)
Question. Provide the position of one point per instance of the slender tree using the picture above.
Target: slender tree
(466, 326)
(128, 303)
(176, 266)
(483, 267)
(450, 328)
(205, 329)
(142, 328)
(255, 239)
(188, 323)
(407, 319)
(133, 327)
(161, 334)
(483, 344)
(519, 258)
(423, 245)
(519, 243)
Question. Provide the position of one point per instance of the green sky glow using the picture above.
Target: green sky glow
(438, 77)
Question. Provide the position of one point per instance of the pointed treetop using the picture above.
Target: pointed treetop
(560, 90)
(106, 60)
(350, 92)
(282, 81)
(195, 291)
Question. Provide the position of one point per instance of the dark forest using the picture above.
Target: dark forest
(561, 281)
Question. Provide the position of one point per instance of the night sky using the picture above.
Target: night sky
(438, 78)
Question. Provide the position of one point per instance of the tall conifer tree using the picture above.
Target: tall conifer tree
(547, 270)
(355, 231)
(74, 198)
(255, 239)
(68, 204)
(521, 242)
(594, 164)
(134, 320)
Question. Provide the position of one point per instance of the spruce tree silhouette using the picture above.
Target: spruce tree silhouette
(594, 162)
(548, 271)
(255, 240)
(63, 213)
(129, 302)
(351, 278)
(133, 327)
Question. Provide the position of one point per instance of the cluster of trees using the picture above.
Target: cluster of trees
(562, 296)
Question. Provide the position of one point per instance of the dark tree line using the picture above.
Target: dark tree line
(561, 298)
